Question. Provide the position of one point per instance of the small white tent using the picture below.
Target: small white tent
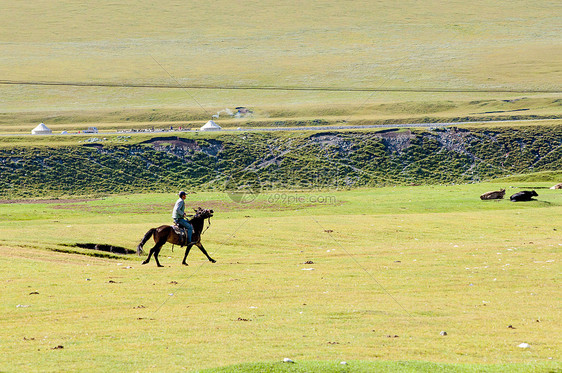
(211, 126)
(41, 129)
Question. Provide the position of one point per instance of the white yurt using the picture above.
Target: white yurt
(211, 126)
(41, 129)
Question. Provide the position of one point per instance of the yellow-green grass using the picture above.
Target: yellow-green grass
(481, 44)
(375, 366)
(392, 268)
(384, 45)
(60, 101)
(367, 367)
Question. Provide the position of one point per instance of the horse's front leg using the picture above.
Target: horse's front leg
(200, 246)
(189, 246)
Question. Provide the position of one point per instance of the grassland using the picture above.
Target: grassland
(362, 276)
(454, 44)
(366, 276)
(478, 51)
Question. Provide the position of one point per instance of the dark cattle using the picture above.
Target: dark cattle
(497, 194)
(525, 195)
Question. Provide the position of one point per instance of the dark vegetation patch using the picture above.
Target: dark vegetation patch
(103, 247)
(281, 161)
(96, 146)
(69, 249)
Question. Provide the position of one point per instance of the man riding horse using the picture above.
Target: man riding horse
(178, 215)
(167, 233)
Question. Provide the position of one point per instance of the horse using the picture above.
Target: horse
(166, 233)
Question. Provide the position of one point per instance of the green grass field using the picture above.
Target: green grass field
(367, 276)
(370, 277)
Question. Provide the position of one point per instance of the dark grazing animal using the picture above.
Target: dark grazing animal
(166, 233)
(525, 195)
(497, 194)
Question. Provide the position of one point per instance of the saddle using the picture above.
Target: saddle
(182, 232)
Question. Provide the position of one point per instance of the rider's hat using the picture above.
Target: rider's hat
(182, 193)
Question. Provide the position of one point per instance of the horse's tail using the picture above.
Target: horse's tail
(144, 239)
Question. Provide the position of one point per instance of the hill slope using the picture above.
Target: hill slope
(280, 160)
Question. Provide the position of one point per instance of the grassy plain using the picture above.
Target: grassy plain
(364, 44)
(482, 47)
(363, 276)
(392, 267)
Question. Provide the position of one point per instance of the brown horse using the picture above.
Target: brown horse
(166, 233)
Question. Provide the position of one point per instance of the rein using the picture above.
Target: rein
(209, 220)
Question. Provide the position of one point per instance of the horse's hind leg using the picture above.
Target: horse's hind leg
(149, 255)
(155, 250)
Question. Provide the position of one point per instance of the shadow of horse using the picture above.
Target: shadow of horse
(166, 233)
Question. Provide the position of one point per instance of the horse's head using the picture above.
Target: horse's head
(203, 213)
